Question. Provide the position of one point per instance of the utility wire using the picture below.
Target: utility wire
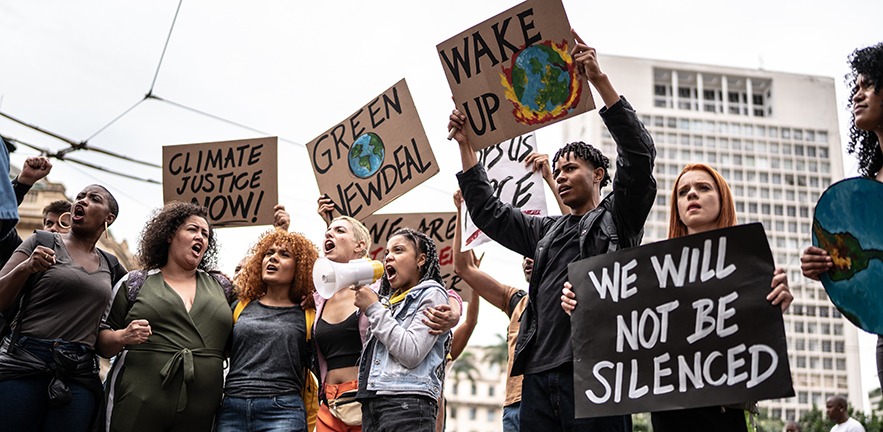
(163, 55)
(231, 122)
(115, 119)
(63, 157)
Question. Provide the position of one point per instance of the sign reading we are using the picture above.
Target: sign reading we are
(440, 227)
(682, 323)
(374, 155)
(513, 73)
(235, 180)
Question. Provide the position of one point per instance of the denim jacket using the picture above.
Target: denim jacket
(407, 359)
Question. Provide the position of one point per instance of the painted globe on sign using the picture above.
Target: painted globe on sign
(846, 225)
(540, 78)
(366, 155)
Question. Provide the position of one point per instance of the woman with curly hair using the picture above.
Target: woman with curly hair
(402, 366)
(172, 322)
(865, 136)
(270, 350)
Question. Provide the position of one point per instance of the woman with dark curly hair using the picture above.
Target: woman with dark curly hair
(270, 350)
(62, 282)
(402, 364)
(172, 322)
(865, 136)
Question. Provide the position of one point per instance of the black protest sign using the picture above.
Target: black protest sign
(513, 73)
(682, 323)
(374, 155)
(440, 227)
(235, 180)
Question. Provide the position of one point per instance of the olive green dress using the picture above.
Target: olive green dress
(174, 381)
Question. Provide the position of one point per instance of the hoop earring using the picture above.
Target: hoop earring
(105, 230)
(61, 222)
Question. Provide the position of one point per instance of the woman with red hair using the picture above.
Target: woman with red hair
(701, 201)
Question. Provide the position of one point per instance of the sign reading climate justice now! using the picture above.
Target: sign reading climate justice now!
(373, 156)
(513, 73)
(682, 323)
(513, 183)
(235, 180)
(439, 227)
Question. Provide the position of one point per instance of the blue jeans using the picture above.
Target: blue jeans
(262, 414)
(399, 413)
(24, 404)
(547, 405)
(511, 420)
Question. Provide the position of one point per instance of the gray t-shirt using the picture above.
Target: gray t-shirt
(269, 352)
(67, 302)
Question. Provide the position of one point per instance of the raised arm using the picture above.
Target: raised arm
(464, 332)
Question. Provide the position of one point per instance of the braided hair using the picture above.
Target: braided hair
(867, 62)
(587, 153)
(430, 269)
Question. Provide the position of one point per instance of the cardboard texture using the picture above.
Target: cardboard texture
(513, 73)
(682, 323)
(237, 181)
(374, 155)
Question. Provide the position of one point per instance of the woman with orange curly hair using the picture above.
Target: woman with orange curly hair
(270, 349)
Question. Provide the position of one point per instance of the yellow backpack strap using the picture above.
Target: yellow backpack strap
(241, 305)
(310, 317)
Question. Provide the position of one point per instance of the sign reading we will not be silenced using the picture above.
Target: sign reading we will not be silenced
(513, 73)
(235, 180)
(513, 183)
(373, 156)
(439, 227)
(682, 323)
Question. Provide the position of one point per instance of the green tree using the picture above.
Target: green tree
(764, 423)
(465, 365)
(641, 422)
(498, 353)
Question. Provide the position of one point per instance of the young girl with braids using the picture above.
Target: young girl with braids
(402, 366)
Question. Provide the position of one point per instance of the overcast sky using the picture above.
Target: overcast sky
(294, 69)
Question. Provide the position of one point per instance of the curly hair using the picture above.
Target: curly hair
(587, 153)
(866, 62)
(725, 219)
(430, 269)
(250, 284)
(153, 247)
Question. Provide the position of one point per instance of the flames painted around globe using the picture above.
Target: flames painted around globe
(542, 83)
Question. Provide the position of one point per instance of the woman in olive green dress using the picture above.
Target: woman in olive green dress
(171, 338)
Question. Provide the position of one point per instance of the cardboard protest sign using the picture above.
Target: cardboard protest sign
(373, 156)
(682, 323)
(513, 183)
(237, 181)
(440, 227)
(513, 73)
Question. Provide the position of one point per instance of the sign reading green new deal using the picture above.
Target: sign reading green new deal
(374, 155)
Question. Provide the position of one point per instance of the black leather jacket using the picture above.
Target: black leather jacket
(617, 222)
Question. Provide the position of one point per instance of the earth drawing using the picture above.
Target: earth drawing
(846, 225)
(366, 155)
(541, 83)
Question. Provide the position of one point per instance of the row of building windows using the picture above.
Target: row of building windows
(667, 124)
(491, 414)
(473, 389)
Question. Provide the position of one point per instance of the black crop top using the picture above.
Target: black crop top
(341, 343)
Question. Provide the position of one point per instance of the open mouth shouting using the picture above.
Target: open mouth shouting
(563, 189)
(329, 246)
(197, 249)
(390, 273)
(78, 214)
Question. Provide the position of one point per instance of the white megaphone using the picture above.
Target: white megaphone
(330, 277)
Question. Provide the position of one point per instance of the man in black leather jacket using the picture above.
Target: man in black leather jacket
(595, 225)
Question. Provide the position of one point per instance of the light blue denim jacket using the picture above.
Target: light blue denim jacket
(407, 359)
